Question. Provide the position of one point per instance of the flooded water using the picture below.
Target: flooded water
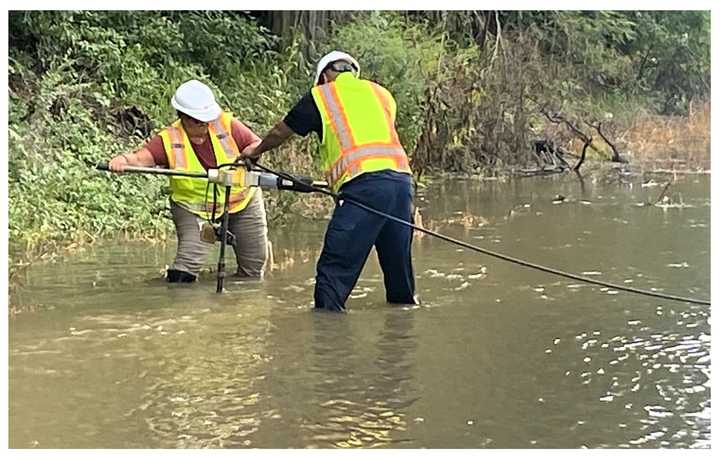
(496, 356)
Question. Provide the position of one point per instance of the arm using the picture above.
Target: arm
(302, 118)
(244, 137)
(275, 137)
(140, 158)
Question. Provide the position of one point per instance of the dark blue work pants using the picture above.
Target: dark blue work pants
(353, 232)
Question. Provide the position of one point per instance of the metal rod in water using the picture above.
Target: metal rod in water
(223, 241)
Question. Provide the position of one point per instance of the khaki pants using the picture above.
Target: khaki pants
(249, 227)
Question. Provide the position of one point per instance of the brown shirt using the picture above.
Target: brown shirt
(242, 135)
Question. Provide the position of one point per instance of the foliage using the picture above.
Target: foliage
(663, 56)
(589, 66)
(86, 85)
(405, 66)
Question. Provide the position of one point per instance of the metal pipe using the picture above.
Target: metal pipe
(221, 177)
(252, 178)
(103, 166)
(223, 240)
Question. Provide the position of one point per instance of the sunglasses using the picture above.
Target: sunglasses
(193, 121)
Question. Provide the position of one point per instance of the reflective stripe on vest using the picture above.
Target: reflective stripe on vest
(192, 193)
(354, 159)
(178, 149)
(230, 148)
(351, 161)
(382, 96)
(337, 116)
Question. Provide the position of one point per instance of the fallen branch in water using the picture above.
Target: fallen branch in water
(580, 161)
(662, 194)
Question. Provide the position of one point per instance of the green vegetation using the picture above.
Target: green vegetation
(471, 89)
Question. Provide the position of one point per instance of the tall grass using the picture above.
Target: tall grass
(671, 141)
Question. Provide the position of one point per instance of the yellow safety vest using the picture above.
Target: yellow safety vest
(191, 193)
(359, 135)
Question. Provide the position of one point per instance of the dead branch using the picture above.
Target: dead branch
(547, 153)
(564, 151)
(526, 173)
(582, 154)
(559, 119)
(616, 157)
(662, 194)
(498, 37)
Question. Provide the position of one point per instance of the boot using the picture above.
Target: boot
(180, 276)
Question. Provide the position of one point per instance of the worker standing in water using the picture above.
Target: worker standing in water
(204, 137)
(363, 160)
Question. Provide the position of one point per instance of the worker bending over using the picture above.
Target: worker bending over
(204, 137)
(364, 160)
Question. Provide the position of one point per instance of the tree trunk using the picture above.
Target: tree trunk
(313, 25)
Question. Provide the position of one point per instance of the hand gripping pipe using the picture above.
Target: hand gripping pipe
(228, 175)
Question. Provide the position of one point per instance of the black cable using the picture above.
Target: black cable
(207, 188)
(214, 208)
(508, 258)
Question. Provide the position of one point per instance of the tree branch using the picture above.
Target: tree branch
(582, 155)
(616, 157)
(558, 119)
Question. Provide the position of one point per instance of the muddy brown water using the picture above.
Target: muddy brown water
(496, 356)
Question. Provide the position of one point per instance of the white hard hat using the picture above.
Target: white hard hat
(196, 100)
(334, 57)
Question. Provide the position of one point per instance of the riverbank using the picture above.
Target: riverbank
(317, 207)
(651, 144)
(484, 88)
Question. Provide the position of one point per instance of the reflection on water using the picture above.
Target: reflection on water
(363, 388)
(496, 355)
(206, 396)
